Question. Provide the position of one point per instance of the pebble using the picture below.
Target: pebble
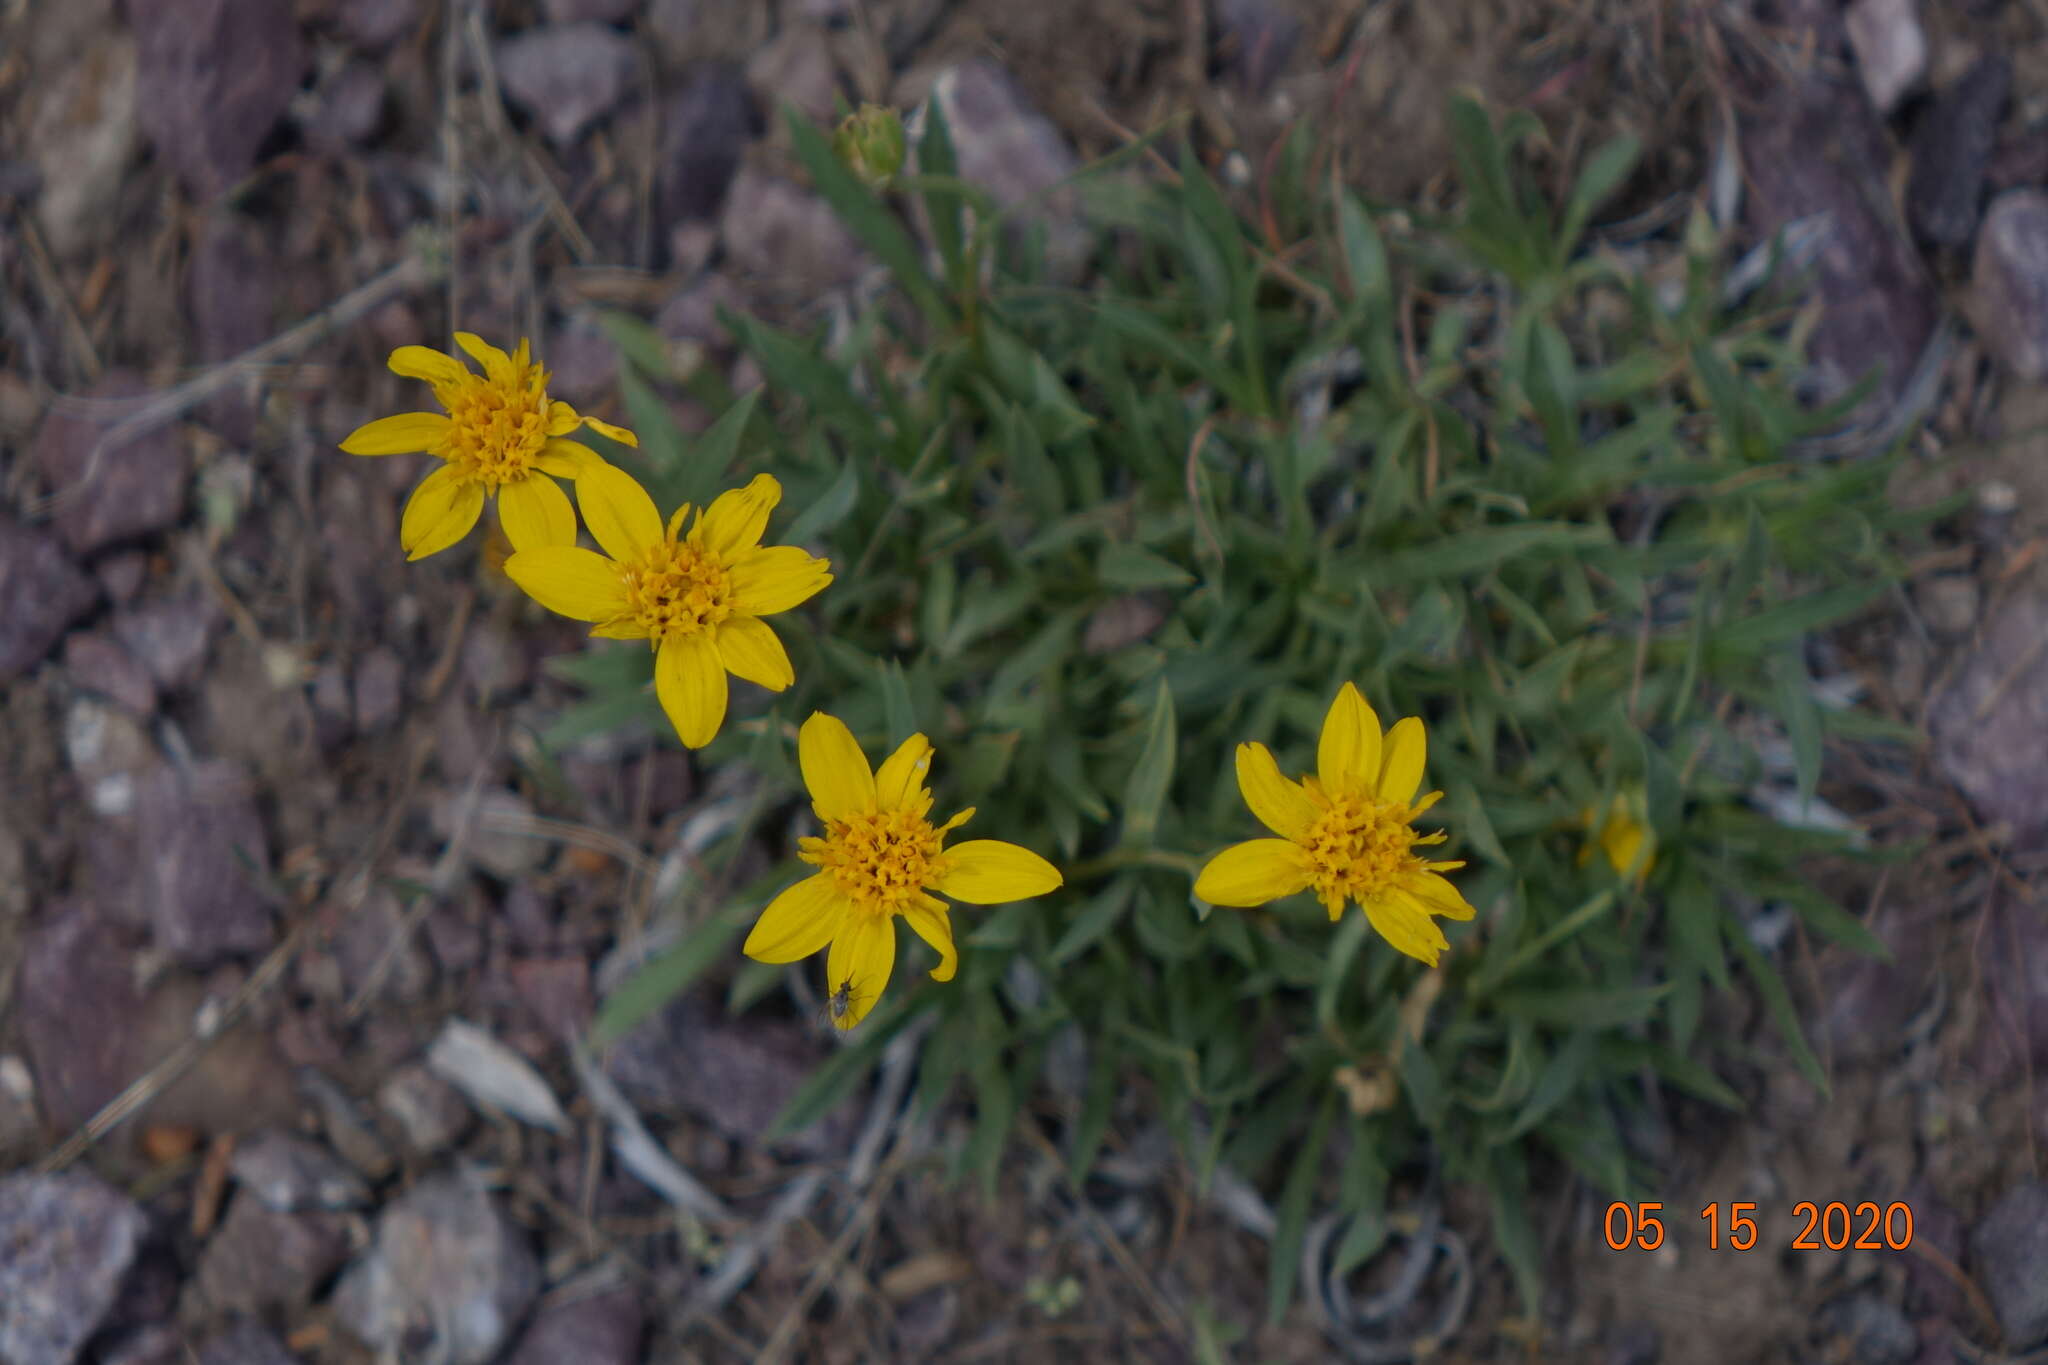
(208, 853)
(1990, 724)
(2009, 1250)
(491, 840)
(98, 663)
(246, 1342)
(601, 1328)
(215, 76)
(348, 1132)
(82, 131)
(41, 593)
(2009, 282)
(430, 1114)
(448, 1277)
(1951, 149)
(493, 1076)
(288, 1173)
(261, 1259)
(566, 76)
(170, 635)
(787, 237)
(69, 1239)
(705, 127)
(1005, 145)
(1890, 48)
(138, 486)
(77, 1006)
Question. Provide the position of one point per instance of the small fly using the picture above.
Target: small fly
(839, 1003)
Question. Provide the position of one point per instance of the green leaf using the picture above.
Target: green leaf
(1605, 171)
(1096, 918)
(1131, 569)
(1555, 1083)
(1145, 791)
(1801, 714)
(898, 712)
(828, 510)
(1483, 548)
(1790, 621)
(1589, 1006)
(1507, 1180)
(1291, 1217)
(1778, 1001)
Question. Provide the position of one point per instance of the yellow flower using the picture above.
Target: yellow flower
(500, 435)
(880, 857)
(1624, 836)
(1344, 832)
(699, 598)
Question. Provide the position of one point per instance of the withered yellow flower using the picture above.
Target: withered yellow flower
(881, 857)
(1625, 836)
(699, 598)
(500, 435)
(1345, 832)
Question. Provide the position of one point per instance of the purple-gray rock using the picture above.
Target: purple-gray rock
(121, 575)
(1003, 144)
(214, 77)
(795, 67)
(231, 287)
(246, 1342)
(1811, 146)
(1890, 48)
(430, 1114)
(554, 990)
(705, 126)
(348, 1132)
(684, 1059)
(787, 237)
(692, 315)
(588, 11)
(68, 1239)
(77, 1008)
(379, 689)
(1255, 39)
(170, 635)
(347, 110)
(2009, 283)
(448, 1276)
(1990, 724)
(289, 1173)
(374, 24)
(260, 1259)
(160, 1343)
(205, 852)
(41, 593)
(598, 1329)
(566, 76)
(2009, 1247)
(1951, 149)
(1876, 1331)
(137, 487)
(98, 664)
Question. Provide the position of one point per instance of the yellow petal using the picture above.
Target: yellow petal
(798, 922)
(1402, 771)
(836, 772)
(734, 521)
(936, 928)
(535, 512)
(991, 872)
(1253, 873)
(619, 434)
(862, 957)
(566, 459)
(1410, 931)
(423, 362)
(776, 579)
(1281, 806)
(562, 418)
(571, 580)
(1436, 896)
(690, 681)
(1348, 751)
(496, 363)
(902, 773)
(439, 513)
(622, 629)
(751, 650)
(400, 435)
(620, 515)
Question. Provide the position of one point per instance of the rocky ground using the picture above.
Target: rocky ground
(235, 725)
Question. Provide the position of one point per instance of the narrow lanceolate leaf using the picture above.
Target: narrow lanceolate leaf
(1145, 793)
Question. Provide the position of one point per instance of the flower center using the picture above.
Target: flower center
(497, 430)
(881, 860)
(1358, 847)
(677, 589)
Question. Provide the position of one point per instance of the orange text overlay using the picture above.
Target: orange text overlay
(1833, 1226)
